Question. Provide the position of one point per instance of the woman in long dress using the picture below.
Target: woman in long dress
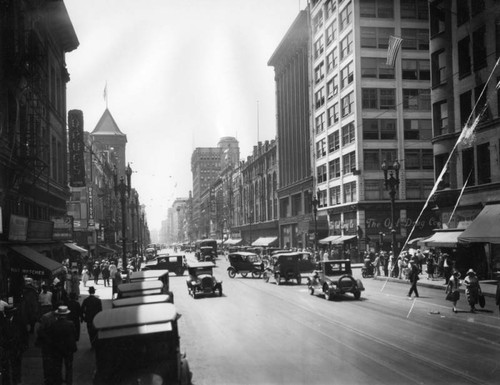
(472, 289)
(452, 291)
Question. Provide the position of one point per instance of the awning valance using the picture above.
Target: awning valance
(265, 241)
(232, 242)
(34, 263)
(343, 239)
(443, 239)
(485, 228)
(75, 247)
(329, 239)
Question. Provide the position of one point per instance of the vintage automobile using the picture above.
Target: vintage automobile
(283, 266)
(206, 254)
(173, 262)
(245, 263)
(201, 279)
(139, 345)
(307, 264)
(153, 275)
(141, 300)
(334, 278)
(143, 288)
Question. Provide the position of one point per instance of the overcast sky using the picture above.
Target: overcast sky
(180, 75)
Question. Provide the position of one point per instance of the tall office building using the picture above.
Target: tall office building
(366, 112)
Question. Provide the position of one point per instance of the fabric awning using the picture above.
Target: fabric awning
(417, 241)
(104, 249)
(329, 239)
(34, 263)
(265, 241)
(443, 239)
(342, 239)
(485, 228)
(232, 242)
(75, 247)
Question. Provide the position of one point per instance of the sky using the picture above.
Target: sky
(179, 75)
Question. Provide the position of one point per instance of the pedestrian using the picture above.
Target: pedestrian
(59, 295)
(45, 300)
(447, 267)
(29, 308)
(90, 307)
(105, 274)
(326, 256)
(62, 336)
(116, 281)
(13, 343)
(75, 283)
(85, 276)
(413, 277)
(95, 272)
(452, 291)
(400, 267)
(112, 270)
(376, 264)
(472, 289)
(45, 344)
(74, 315)
(430, 267)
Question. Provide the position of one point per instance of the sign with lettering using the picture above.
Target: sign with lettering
(76, 149)
(18, 228)
(90, 206)
(63, 228)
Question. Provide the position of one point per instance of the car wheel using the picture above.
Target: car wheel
(357, 294)
(256, 274)
(266, 276)
(179, 271)
(244, 275)
(220, 291)
(194, 294)
(328, 296)
(278, 279)
(231, 272)
(363, 274)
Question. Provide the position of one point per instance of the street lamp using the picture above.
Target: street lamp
(315, 204)
(391, 183)
(123, 189)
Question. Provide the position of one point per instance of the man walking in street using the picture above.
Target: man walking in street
(90, 307)
(413, 276)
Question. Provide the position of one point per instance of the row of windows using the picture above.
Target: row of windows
(348, 136)
(415, 159)
(384, 9)
(346, 108)
(385, 98)
(412, 69)
(348, 166)
(378, 37)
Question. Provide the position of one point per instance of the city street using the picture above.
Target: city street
(261, 333)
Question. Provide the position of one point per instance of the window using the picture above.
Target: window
(416, 69)
(347, 75)
(418, 188)
(348, 134)
(465, 107)
(320, 148)
(318, 21)
(418, 159)
(350, 192)
(331, 60)
(373, 159)
(346, 45)
(374, 190)
(349, 162)
(377, 129)
(440, 112)
(477, 6)
(462, 12)
(376, 68)
(332, 114)
(483, 164)
(321, 173)
(416, 99)
(481, 100)
(415, 39)
(318, 48)
(479, 48)
(332, 87)
(334, 168)
(347, 103)
(414, 9)
(417, 129)
(334, 141)
(319, 72)
(379, 98)
(345, 16)
(468, 166)
(330, 8)
(437, 17)
(439, 74)
(377, 9)
(335, 195)
(330, 32)
(320, 123)
(319, 97)
(372, 37)
(464, 59)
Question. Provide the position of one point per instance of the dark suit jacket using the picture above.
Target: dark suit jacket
(90, 307)
(62, 336)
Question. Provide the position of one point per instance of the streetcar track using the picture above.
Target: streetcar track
(421, 358)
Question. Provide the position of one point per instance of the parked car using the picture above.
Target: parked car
(334, 278)
(201, 279)
(245, 263)
(139, 345)
(176, 263)
(307, 264)
(283, 266)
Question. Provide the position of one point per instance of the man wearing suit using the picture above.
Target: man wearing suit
(90, 307)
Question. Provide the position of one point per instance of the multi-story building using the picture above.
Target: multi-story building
(291, 63)
(177, 222)
(34, 39)
(464, 47)
(206, 165)
(366, 112)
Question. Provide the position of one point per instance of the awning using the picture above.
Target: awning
(443, 239)
(104, 249)
(75, 247)
(417, 241)
(485, 228)
(328, 239)
(34, 263)
(233, 242)
(342, 239)
(265, 241)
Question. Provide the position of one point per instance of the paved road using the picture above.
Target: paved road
(261, 333)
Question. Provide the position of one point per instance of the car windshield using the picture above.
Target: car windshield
(203, 271)
(334, 268)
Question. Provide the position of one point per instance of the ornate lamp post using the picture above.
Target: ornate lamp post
(391, 182)
(123, 189)
(315, 205)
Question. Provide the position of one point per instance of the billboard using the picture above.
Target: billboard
(76, 149)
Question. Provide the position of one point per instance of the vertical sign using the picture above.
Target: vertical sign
(90, 206)
(76, 149)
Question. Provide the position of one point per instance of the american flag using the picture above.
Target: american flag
(392, 51)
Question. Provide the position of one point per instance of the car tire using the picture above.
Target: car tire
(266, 276)
(357, 295)
(328, 296)
(231, 272)
(278, 279)
(256, 274)
(194, 294)
(244, 275)
(363, 274)
(220, 291)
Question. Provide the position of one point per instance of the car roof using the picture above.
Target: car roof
(142, 300)
(169, 255)
(140, 285)
(147, 274)
(244, 253)
(336, 261)
(200, 265)
(133, 320)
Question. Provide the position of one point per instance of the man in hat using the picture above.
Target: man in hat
(413, 277)
(90, 307)
(472, 289)
(62, 336)
(14, 342)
